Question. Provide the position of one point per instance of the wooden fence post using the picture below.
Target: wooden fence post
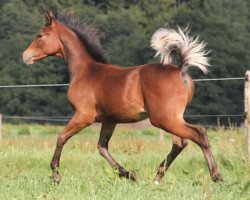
(0, 128)
(247, 110)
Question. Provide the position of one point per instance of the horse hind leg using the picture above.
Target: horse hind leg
(178, 145)
(202, 140)
(198, 135)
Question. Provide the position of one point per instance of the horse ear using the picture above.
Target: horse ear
(49, 16)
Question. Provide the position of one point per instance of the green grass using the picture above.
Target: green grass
(26, 151)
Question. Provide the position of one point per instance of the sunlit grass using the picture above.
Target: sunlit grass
(26, 151)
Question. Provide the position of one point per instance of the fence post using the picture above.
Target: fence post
(0, 128)
(247, 110)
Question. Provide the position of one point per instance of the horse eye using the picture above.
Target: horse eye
(39, 36)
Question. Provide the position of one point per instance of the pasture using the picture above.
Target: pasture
(26, 151)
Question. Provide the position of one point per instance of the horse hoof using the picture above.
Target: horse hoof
(217, 178)
(129, 175)
(56, 178)
(156, 183)
(132, 176)
(157, 178)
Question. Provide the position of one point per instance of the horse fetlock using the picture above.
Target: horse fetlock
(161, 171)
(159, 175)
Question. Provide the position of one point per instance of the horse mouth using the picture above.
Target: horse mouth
(29, 60)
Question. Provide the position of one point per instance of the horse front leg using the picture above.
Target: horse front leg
(77, 123)
(105, 135)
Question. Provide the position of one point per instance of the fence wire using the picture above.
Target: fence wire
(219, 79)
(67, 84)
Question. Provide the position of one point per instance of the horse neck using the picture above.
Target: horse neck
(74, 53)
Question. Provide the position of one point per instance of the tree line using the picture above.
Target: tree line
(128, 26)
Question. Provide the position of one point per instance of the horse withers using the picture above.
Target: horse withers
(101, 92)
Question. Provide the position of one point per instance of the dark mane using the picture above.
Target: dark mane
(89, 35)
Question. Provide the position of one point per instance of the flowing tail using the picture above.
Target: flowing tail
(190, 50)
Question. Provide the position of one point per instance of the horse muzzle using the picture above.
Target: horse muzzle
(28, 58)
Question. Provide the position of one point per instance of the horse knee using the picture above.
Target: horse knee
(79, 123)
(61, 140)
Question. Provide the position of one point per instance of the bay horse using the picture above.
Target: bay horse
(101, 92)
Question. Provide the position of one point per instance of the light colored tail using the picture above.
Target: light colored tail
(190, 50)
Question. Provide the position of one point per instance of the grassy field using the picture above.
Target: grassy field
(26, 151)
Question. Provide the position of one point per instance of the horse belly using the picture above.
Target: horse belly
(134, 115)
(122, 114)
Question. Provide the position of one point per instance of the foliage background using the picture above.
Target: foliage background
(128, 26)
